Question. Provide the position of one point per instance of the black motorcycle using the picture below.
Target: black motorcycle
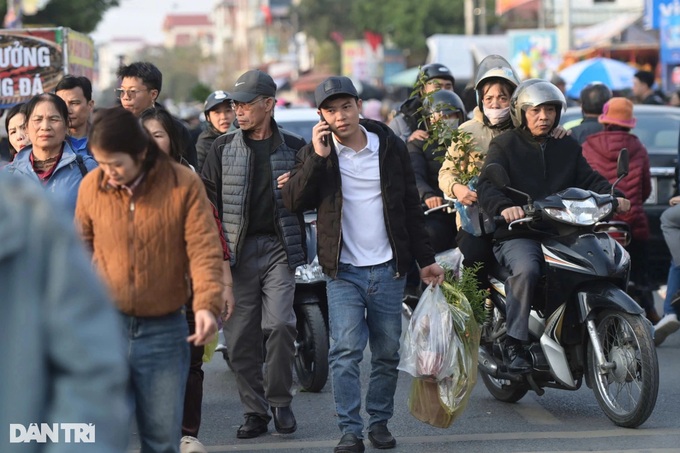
(582, 324)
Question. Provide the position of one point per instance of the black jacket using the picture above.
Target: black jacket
(426, 162)
(590, 125)
(316, 183)
(203, 144)
(534, 171)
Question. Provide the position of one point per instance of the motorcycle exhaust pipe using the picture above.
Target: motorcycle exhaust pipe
(487, 363)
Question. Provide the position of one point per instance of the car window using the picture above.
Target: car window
(301, 127)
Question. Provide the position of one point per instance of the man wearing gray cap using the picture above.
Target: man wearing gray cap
(370, 226)
(248, 166)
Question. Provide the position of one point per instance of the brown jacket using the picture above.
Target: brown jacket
(147, 244)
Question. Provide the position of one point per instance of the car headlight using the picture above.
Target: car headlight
(580, 212)
(309, 273)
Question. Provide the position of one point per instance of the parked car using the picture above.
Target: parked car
(298, 120)
(658, 128)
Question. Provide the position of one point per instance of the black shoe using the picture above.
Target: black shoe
(254, 426)
(381, 437)
(284, 420)
(516, 358)
(349, 443)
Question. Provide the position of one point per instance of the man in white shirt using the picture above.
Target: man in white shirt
(370, 226)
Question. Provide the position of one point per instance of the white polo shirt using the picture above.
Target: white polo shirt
(364, 235)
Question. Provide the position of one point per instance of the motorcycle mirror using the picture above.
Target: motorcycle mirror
(622, 163)
(497, 175)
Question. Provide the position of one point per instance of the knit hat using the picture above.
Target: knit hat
(618, 111)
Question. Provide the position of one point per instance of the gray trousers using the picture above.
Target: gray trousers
(264, 288)
(670, 226)
(524, 258)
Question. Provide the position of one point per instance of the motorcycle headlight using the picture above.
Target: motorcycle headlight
(309, 273)
(579, 212)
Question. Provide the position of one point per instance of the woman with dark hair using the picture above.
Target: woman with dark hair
(50, 159)
(151, 230)
(160, 125)
(15, 125)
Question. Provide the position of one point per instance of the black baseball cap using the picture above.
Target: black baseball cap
(333, 86)
(216, 98)
(252, 84)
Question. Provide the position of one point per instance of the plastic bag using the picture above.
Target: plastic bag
(209, 348)
(426, 348)
(472, 218)
(440, 401)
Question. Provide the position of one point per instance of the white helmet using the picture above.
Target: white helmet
(534, 92)
(494, 67)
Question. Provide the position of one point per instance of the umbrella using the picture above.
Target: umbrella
(613, 73)
(405, 78)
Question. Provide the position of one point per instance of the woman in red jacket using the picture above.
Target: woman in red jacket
(601, 150)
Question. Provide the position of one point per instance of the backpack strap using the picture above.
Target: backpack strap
(81, 164)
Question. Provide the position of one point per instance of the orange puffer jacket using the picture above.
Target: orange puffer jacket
(148, 244)
(601, 150)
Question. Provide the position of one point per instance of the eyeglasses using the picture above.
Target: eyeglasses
(131, 94)
(245, 105)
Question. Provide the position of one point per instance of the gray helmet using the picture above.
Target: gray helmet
(494, 67)
(437, 71)
(594, 96)
(534, 92)
(444, 101)
(215, 98)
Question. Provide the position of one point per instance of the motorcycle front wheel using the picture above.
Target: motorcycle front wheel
(311, 348)
(627, 389)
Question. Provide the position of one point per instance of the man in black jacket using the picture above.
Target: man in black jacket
(539, 166)
(370, 225)
(266, 243)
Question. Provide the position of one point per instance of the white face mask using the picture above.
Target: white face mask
(451, 123)
(496, 116)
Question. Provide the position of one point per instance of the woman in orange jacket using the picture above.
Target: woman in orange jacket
(150, 227)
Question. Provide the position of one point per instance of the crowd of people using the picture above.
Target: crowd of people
(186, 234)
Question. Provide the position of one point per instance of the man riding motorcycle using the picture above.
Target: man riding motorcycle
(538, 166)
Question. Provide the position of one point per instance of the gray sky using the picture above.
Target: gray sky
(144, 18)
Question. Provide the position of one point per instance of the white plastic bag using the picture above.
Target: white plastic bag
(427, 350)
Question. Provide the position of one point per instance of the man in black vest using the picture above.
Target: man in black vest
(248, 166)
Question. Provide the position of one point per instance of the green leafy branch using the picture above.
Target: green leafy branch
(468, 286)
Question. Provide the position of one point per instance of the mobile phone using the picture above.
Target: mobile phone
(324, 139)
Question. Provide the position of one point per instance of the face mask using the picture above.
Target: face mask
(451, 123)
(496, 116)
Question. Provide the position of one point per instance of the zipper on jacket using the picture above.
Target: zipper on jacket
(387, 217)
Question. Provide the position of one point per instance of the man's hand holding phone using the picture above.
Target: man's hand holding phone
(320, 137)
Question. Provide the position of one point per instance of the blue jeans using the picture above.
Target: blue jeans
(672, 287)
(364, 303)
(158, 354)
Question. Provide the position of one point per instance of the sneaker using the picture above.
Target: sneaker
(190, 444)
(665, 327)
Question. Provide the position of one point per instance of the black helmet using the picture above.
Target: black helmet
(494, 67)
(215, 98)
(594, 96)
(436, 71)
(534, 92)
(444, 101)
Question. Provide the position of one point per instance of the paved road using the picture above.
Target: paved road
(558, 421)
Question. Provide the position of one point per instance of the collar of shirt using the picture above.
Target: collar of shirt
(129, 188)
(372, 143)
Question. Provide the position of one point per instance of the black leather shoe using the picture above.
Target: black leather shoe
(349, 443)
(254, 426)
(516, 358)
(284, 420)
(381, 437)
